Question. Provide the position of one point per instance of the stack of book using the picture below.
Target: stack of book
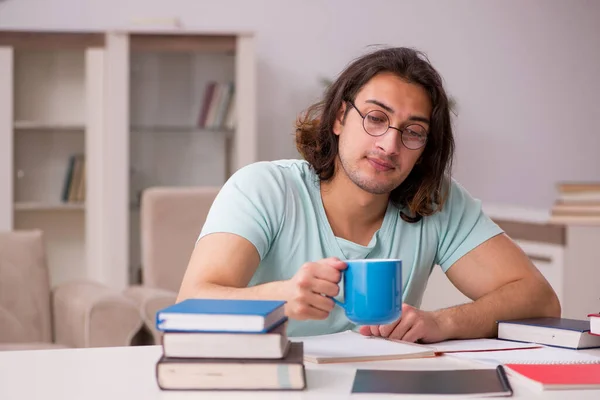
(211, 344)
(577, 203)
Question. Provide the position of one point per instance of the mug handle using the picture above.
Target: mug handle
(336, 301)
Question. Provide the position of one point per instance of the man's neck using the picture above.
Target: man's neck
(353, 213)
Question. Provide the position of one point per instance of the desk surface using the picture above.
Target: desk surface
(128, 373)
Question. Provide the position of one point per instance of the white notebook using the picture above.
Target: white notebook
(543, 355)
(460, 346)
(351, 346)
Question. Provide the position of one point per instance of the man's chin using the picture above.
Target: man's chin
(375, 189)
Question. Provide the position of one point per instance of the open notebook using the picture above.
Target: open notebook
(351, 346)
(543, 355)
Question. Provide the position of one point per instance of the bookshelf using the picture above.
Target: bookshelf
(47, 79)
(183, 121)
(129, 103)
(156, 90)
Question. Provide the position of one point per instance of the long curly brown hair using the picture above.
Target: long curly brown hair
(425, 189)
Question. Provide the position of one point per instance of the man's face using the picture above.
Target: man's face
(380, 164)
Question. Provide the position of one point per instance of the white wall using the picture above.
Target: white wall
(524, 72)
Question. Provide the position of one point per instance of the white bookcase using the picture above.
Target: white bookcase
(46, 82)
(129, 102)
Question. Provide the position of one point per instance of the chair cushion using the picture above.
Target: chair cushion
(24, 288)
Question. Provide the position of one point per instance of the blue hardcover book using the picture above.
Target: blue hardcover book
(221, 315)
(556, 332)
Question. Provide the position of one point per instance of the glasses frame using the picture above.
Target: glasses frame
(402, 131)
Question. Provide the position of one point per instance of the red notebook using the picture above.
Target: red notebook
(557, 376)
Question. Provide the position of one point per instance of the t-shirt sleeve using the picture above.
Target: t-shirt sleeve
(462, 226)
(250, 204)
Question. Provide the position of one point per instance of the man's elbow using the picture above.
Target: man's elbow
(550, 303)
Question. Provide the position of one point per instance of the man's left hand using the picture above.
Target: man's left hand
(414, 325)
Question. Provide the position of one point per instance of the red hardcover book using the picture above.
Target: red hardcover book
(557, 376)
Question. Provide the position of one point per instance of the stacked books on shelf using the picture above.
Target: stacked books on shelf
(74, 183)
(577, 202)
(225, 344)
(218, 106)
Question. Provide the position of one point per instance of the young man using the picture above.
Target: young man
(375, 183)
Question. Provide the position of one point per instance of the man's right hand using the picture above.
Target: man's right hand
(307, 288)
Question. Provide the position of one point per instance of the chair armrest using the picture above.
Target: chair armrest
(89, 314)
(149, 301)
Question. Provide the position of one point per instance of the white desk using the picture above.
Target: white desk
(127, 373)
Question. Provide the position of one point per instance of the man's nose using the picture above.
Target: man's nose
(390, 142)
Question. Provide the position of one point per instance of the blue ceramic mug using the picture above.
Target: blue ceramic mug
(372, 291)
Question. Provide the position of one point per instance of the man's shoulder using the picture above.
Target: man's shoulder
(268, 171)
(458, 200)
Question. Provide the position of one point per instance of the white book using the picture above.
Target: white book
(271, 345)
(350, 346)
(558, 332)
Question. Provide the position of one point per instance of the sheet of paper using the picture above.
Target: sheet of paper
(351, 344)
(543, 355)
(453, 346)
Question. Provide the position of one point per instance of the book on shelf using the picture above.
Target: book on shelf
(556, 376)
(578, 187)
(577, 202)
(221, 315)
(75, 180)
(272, 344)
(217, 108)
(287, 373)
(550, 331)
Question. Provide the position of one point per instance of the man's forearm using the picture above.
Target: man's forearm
(267, 291)
(520, 299)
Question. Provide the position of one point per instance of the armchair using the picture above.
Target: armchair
(75, 314)
(170, 221)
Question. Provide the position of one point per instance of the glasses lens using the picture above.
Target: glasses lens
(414, 136)
(376, 123)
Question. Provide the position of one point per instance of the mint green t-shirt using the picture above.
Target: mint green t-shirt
(277, 206)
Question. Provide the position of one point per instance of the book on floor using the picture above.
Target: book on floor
(556, 376)
(464, 383)
(233, 374)
(559, 332)
(350, 346)
(271, 344)
(221, 315)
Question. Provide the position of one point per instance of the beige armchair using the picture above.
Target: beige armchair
(170, 221)
(74, 314)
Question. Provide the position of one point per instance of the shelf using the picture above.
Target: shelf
(180, 129)
(39, 206)
(42, 126)
(165, 42)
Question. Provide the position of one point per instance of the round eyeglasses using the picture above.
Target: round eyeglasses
(376, 123)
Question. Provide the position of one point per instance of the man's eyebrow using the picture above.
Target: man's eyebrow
(389, 109)
(382, 105)
(417, 118)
